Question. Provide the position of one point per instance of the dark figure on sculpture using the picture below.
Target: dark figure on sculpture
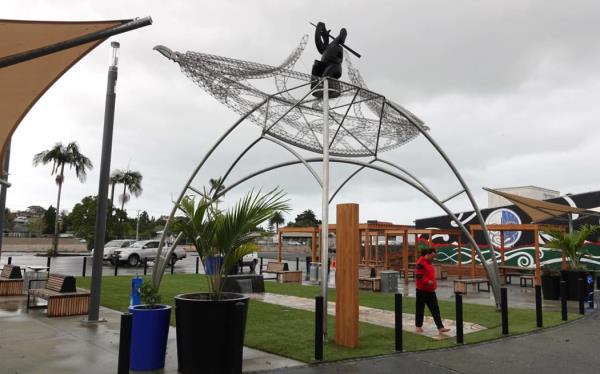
(332, 56)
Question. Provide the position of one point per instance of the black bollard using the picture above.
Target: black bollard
(197, 265)
(504, 306)
(48, 261)
(538, 306)
(172, 266)
(124, 343)
(563, 300)
(582, 294)
(307, 277)
(9, 260)
(297, 263)
(116, 267)
(261, 265)
(460, 338)
(398, 321)
(145, 265)
(319, 328)
(84, 266)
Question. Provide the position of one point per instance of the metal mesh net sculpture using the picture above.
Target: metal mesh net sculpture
(361, 123)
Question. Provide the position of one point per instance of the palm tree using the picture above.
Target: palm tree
(276, 219)
(216, 186)
(230, 234)
(571, 245)
(132, 181)
(59, 156)
(116, 177)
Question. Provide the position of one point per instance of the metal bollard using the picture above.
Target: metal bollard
(124, 343)
(84, 266)
(145, 265)
(563, 300)
(297, 263)
(582, 293)
(460, 338)
(172, 266)
(261, 265)
(9, 260)
(504, 306)
(116, 267)
(319, 328)
(48, 262)
(539, 318)
(197, 265)
(307, 277)
(398, 321)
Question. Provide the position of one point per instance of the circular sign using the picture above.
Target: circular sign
(504, 216)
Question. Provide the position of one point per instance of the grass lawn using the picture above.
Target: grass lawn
(290, 332)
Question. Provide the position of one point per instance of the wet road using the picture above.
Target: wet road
(74, 265)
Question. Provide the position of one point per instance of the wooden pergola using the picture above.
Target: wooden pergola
(535, 228)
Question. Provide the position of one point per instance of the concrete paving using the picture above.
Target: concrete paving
(571, 348)
(374, 316)
(33, 343)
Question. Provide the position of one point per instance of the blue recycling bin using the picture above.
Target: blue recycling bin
(135, 297)
(213, 265)
(149, 334)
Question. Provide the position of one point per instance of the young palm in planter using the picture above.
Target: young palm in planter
(572, 247)
(211, 325)
(150, 330)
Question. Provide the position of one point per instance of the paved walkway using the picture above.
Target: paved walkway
(32, 343)
(571, 348)
(374, 316)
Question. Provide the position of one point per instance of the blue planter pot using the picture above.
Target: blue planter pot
(149, 333)
(213, 265)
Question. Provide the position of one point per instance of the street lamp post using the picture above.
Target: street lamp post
(102, 205)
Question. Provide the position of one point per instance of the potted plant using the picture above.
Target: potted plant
(211, 325)
(572, 247)
(550, 283)
(149, 330)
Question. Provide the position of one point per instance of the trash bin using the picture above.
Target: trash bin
(315, 272)
(389, 280)
(136, 295)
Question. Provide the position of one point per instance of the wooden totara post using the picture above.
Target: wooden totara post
(386, 258)
(279, 237)
(346, 277)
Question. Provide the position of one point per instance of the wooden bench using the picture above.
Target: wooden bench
(526, 280)
(460, 285)
(368, 279)
(282, 272)
(64, 299)
(11, 281)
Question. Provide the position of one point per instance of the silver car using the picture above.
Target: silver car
(111, 246)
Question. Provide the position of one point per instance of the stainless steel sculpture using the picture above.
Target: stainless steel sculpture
(360, 123)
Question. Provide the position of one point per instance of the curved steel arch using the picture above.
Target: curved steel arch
(411, 183)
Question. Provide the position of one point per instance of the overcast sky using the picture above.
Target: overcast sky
(510, 90)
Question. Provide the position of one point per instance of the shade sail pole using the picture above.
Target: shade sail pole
(325, 205)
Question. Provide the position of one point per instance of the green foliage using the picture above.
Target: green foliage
(228, 234)
(572, 245)
(49, 220)
(83, 221)
(35, 226)
(305, 219)
(131, 180)
(149, 293)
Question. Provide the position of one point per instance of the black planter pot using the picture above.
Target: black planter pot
(572, 279)
(210, 333)
(551, 287)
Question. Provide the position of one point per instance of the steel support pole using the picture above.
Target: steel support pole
(3, 189)
(102, 204)
(325, 205)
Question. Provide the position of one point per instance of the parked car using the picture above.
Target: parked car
(110, 247)
(138, 251)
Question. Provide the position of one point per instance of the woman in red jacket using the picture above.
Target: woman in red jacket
(426, 286)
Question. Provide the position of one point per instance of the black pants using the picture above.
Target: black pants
(429, 298)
